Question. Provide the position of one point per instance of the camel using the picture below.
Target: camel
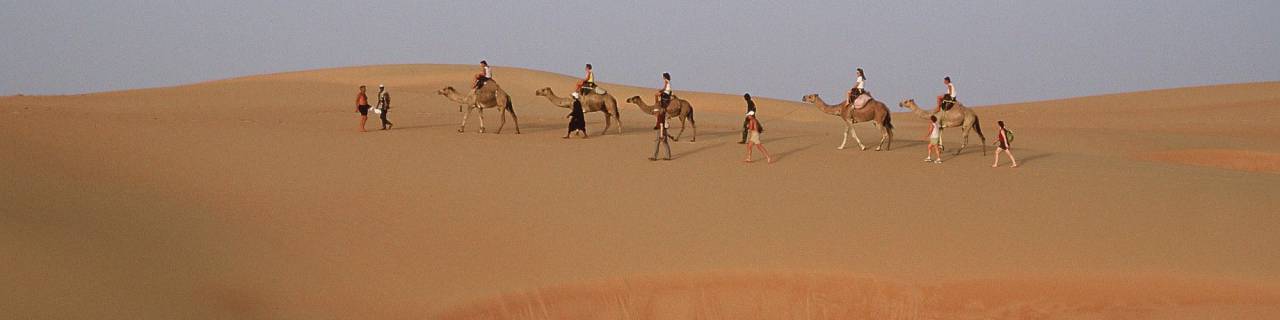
(678, 108)
(489, 96)
(874, 111)
(591, 102)
(958, 116)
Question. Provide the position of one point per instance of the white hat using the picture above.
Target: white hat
(751, 113)
(575, 95)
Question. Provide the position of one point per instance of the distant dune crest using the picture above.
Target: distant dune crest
(800, 296)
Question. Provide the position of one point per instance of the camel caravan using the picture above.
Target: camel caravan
(860, 107)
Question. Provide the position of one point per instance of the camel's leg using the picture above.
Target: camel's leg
(515, 120)
(964, 134)
(503, 112)
(854, 133)
(681, 134)
(984, 146)
(884, 136)
(888, 143)
(463, 126)
(481, 118)
(693, 124)
(608, 121)
(617, 119)
(845, 137)
(940, 143)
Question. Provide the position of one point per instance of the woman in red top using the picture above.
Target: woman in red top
(1002, 144)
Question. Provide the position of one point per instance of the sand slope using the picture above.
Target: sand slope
(254, 198)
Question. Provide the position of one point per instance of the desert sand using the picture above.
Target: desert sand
(255, 198)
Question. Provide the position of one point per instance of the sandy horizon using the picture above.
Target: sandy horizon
(255, 198)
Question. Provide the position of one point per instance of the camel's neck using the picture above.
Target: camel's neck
(558, 101)
(828, 109)
(644, 106)
(917, 111)
(453, 95)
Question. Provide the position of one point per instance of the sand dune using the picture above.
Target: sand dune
(1255, 161)
(254, 198)
(826, 296)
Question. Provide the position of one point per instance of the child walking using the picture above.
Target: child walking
(935, 135)
(663, 139)
(1002, 144)
(754, 128)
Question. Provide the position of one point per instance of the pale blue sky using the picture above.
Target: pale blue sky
(997, 51)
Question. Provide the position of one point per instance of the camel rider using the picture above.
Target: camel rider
(858, 86)
(664, 96)
(949, 98)
(589, 83)
(485, 75)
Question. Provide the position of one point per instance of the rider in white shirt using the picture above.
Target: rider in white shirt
(664, 95)
(858, 86)
(484, 76)
(949, 96)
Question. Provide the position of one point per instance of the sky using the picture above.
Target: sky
(995, 51)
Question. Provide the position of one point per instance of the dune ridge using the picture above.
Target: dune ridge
(830, 296)
(1243, 160)
(255, 198)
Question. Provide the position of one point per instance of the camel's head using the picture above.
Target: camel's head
(446, 91)
(810, 98)
(544, 92)
(634, 99)
(907, 104)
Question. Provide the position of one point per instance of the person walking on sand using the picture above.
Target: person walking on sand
(751, 110)
(384, 107)
(1002, 144)
(949, 97)
(588, 83)
(362, 106)
(664, 96)
(935, 135)
(485, 75)
(663, 139)
(577, 121)
(755, 128)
